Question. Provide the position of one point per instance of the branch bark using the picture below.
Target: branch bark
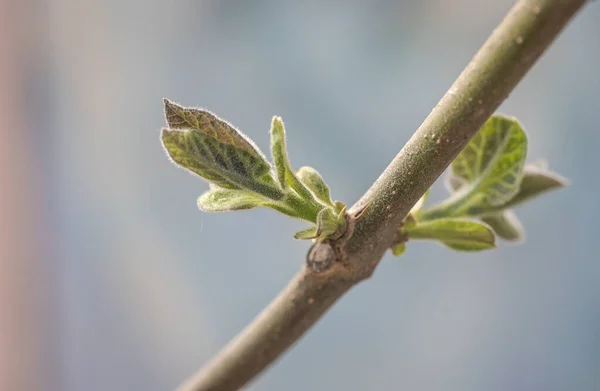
(334, 267)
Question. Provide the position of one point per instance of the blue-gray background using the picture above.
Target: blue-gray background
(150, 287)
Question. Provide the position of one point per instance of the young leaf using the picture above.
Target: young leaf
(328, 223)
(458, 234)
(536, 181)
(491, 166)
(340, 209)
(308, 233)
(315, 183)
(399, 249)
(184, 118)
(279, 151)
(221, 163)
(505, 224)
(218, 199)
(493, 160)
(285, 174)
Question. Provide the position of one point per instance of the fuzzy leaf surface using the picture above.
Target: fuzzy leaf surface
(488, 171)
(223, 164)
(218, 199)
(456, 233)
(536, 181)
(506, 225)
(285, 174)
(315, 183)
(184, 118)
(308, 233)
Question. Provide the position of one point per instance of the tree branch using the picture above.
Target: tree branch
(335, 266)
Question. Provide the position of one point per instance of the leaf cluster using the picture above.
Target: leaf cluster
(240, 175)
(487, 179)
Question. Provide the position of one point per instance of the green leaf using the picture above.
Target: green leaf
(279, 151)
(399, 249)
(493, 160)
(491, 167)
(536, 181)
(339, 208)
(204, 121)
(220, 163)
(308, 233)
(505, 224)
(328, 223)
(331, 224)
(315, 183)
(218, 199)
(204, 144)
(458, 234)
(285, 174)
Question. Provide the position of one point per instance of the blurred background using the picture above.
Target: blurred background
(111, 279)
